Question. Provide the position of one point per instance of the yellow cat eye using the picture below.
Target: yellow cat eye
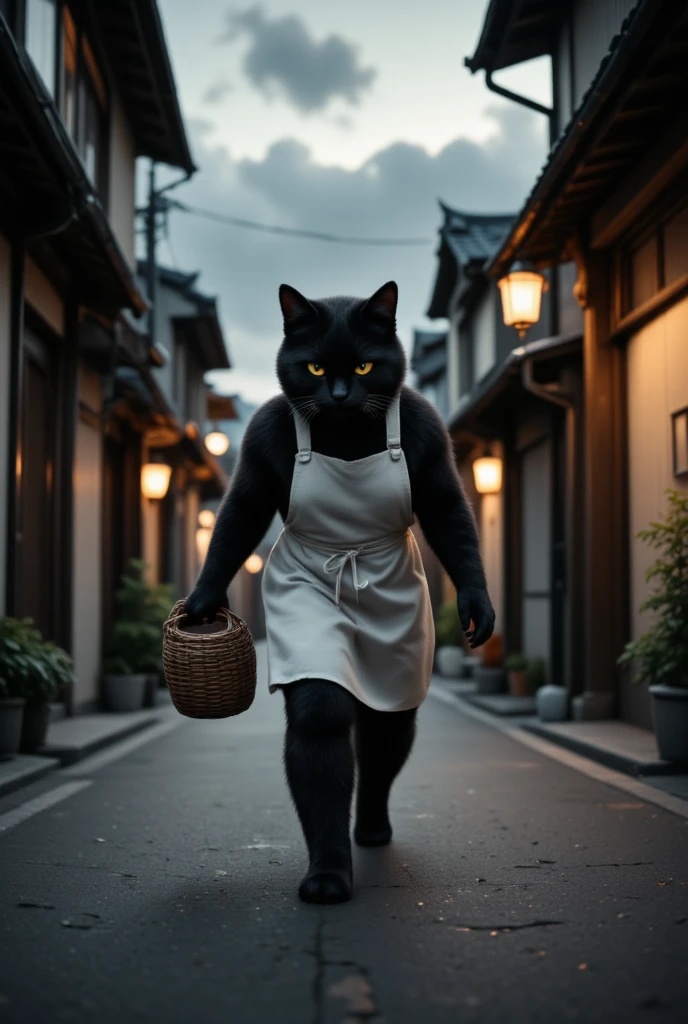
(316, 369)
(363, 368)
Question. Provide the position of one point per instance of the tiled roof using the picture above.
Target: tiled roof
(472, 236)
(630, 101)
(467, 242)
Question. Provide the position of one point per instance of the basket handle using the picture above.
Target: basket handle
(172, 619)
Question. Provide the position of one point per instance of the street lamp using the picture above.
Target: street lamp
(521, 291)
(253, 564)
(203, 535)
(217, 442)
(155, 479)
(487, 473)
(206, 518)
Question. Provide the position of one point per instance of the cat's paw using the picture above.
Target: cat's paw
(326, 886)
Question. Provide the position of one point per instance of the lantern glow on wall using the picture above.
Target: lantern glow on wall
(155, 479)
(487, 473)
(521, 293)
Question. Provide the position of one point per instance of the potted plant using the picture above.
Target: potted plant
(34, 671)
(53, 677)
(11, 715)
(551, 701)
(15, 667)
(516, 667)
(133, 664)
(661, 654)
(489, 674)
(448, 639)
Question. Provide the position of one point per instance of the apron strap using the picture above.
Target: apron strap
(394, 428)
(303, 437)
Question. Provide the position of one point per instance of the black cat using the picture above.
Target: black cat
(357, 366)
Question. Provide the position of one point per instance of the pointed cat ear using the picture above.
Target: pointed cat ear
(296, 309)
(383, 304)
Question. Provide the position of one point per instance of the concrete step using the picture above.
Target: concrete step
(627, 748)
(23, 770)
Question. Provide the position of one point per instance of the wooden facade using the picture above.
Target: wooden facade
(611, 202)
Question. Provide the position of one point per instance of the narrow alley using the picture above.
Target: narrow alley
(156, 881)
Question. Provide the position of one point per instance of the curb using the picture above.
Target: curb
(609, 758)
(69, 754)
(24, 769)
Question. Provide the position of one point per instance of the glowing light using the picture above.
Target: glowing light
(487, 473)
(217, 443)
(253, 564)
(206, 518)
(521, 291)
(203, 535)
(155, 479)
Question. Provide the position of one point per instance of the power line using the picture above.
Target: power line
(274, 229)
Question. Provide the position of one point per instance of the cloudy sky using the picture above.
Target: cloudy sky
(348, 118)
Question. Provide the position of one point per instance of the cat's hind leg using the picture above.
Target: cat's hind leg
(319, 762)
(383, 743)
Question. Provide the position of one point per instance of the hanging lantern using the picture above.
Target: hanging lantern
(521, 292)
(487, 473)
(217, 442)
(253, 564)
(155, 479)
(206, 518)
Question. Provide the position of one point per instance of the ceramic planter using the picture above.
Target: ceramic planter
(488, 680)
(670, 714)
(518, 684)
(152, 682)
(450, 661)
(552, 703)
(35, 726)
(11, 715)
(124, 693)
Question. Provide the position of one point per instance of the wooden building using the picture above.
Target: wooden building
(593, 417)
(85, 89)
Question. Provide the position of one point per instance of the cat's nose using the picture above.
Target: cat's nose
(340, 390)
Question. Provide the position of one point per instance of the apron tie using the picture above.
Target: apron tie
(337, 563)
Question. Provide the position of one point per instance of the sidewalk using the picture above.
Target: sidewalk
(72, 739)
(616, 745)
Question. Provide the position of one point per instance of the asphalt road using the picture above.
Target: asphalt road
(163, 889)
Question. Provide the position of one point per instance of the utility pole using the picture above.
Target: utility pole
(151, 275)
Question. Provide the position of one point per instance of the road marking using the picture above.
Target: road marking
(641, 790)
(41, 803)
(118, 750)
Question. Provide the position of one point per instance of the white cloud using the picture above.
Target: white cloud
(290, 188)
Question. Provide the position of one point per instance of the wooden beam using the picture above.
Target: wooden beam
(642, 186)
(603, 457)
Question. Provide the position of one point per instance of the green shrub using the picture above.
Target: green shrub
(661, 654)
(136, 638)
(31, 667)
(537, 673)
(515, 663)
(448, 632)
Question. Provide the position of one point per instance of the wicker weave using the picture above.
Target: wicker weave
(210, 674)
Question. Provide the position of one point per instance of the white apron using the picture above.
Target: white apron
(344, 589)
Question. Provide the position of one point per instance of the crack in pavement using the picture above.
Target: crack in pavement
(504, 928)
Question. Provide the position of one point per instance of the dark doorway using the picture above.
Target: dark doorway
(36, 594)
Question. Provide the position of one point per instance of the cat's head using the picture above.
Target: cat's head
(340, 356)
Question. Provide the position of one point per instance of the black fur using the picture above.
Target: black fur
(347, 417)
(339, 333)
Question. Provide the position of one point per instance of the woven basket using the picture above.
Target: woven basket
(210, 670)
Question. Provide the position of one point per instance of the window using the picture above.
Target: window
(676, 247)
(83, 99)
(679, 423)
(41, 38)
(655, 260)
